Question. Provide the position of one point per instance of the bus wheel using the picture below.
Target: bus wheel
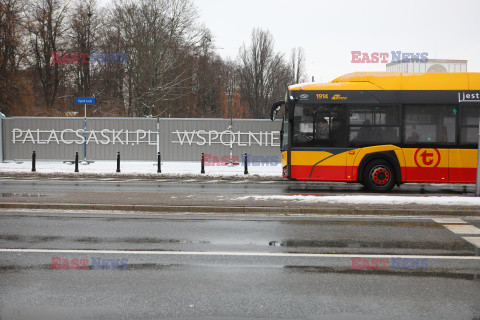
(379, 176)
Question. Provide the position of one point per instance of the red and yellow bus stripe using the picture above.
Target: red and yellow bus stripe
(417, 164)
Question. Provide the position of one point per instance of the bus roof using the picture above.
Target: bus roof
(397, 81)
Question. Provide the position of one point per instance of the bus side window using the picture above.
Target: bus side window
(446, 130)
(412, 134)
(338, 132)
(373, 124)
(430, 124)
(390, 134)
(469, 125)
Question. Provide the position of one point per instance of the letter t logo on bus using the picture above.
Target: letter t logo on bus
(427, 158)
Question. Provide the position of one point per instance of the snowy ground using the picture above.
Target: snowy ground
(457, 201)
(176, 168)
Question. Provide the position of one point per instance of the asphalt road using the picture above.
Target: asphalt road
(42, 187)
(262, 267)
(218, 196)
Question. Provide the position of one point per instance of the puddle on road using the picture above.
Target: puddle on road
(467, 274)
(31, 239)
(136, 267)
(359, 244)
(25, 195)
(455, 247)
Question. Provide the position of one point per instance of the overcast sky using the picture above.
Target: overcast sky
(329, 30)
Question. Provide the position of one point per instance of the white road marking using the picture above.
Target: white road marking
(325, 217)
(449, 221)
(473, 240)
(462, 229)
(229, 253)
(458, 226)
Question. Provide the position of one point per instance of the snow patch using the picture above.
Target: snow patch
(373, 200)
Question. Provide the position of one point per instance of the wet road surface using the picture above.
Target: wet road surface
(267, 267)
(15, 187)
(223, 194)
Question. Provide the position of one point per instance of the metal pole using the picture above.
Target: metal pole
(477, 190)
(34, 159)
(230, 162)
(245, 160)
(85, 134)
(203, 163)
(76, 161)
(158, 135)
(118, 161)
(159, 166)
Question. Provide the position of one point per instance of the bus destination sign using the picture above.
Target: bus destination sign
(468, 97)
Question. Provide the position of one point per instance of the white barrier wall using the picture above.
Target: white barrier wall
(138, 138)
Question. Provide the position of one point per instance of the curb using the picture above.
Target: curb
(147, 176)
(243, 209)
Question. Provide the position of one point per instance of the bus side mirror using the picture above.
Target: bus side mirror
(275, 108)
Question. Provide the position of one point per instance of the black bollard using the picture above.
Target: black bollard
(203, 163)
(159, 166)
(118, 161)
(245, 162)
(34, 159)
(76, 161)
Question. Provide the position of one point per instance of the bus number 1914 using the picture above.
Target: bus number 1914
(322, 95)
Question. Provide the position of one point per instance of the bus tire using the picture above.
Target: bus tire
(379, 176)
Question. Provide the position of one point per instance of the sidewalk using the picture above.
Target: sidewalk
(144, 169)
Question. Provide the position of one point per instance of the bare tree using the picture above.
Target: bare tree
(262, 72)
(158, 35)
(47, 34)
(297, 65)
(168, 67)
(13, 84)
(232, 104)
(111, 83)
(209, 72)
(83, 36)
